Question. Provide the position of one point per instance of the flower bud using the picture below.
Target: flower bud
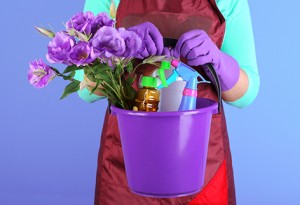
(112, 10)
(45, 32)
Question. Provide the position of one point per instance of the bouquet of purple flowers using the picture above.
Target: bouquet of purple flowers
(106, 54)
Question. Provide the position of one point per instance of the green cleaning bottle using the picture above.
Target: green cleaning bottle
(148, 96)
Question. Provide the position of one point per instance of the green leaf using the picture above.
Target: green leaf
(72, 68)
(107, 76)
(118, 70)
(67, 77)
(91, 77)
(70, 88)
(129, 67)
(130, 79)
(87, 70)
(97, 71)
(89, 74)
(100, 68)
(96, 62)
(95, 88)
(109, 94)
(71, 75)
(128, 91)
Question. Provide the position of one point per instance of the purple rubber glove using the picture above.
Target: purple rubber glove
(198, 48)
(152, 39)
(168, 52)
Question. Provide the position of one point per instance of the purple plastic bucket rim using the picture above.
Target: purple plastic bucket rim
(213, 108)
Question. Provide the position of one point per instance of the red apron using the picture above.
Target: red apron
(173, 18)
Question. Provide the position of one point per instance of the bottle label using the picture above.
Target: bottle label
(189, 92)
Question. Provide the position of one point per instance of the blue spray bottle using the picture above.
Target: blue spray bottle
(188, 74)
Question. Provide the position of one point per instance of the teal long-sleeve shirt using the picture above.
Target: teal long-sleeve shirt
(238, 42)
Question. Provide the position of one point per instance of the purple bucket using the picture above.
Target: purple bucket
(165, 152)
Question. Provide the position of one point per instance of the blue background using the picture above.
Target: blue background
(48, 147)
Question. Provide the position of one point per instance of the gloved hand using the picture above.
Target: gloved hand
(198, 49)
(168, 52)
(152, 39)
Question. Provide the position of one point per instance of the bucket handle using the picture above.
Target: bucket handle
(217, 85)
(171, 42)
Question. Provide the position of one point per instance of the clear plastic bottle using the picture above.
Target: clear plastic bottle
(147, 98)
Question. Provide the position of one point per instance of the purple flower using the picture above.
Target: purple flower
(81, 54)
(81, 22)
(108, 42)
(132, 42)
(40, 74)
(102, 19)
(59, 48)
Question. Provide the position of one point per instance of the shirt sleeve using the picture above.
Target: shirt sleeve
(95, 6)
(239, 43)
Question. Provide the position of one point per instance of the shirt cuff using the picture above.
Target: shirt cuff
(86, 95)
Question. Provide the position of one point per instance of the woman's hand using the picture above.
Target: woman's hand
(152, 39)
(90, 86)
(198, 49)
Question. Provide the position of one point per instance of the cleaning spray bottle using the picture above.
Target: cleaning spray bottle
(188, 74)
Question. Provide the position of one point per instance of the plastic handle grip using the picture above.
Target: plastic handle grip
(212, 70)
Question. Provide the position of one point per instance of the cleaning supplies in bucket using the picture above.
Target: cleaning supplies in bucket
(148, 97)
(188, 74)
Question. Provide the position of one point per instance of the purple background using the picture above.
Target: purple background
(48, 147)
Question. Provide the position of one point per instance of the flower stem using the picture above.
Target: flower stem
(61, 75)
(137, 67)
